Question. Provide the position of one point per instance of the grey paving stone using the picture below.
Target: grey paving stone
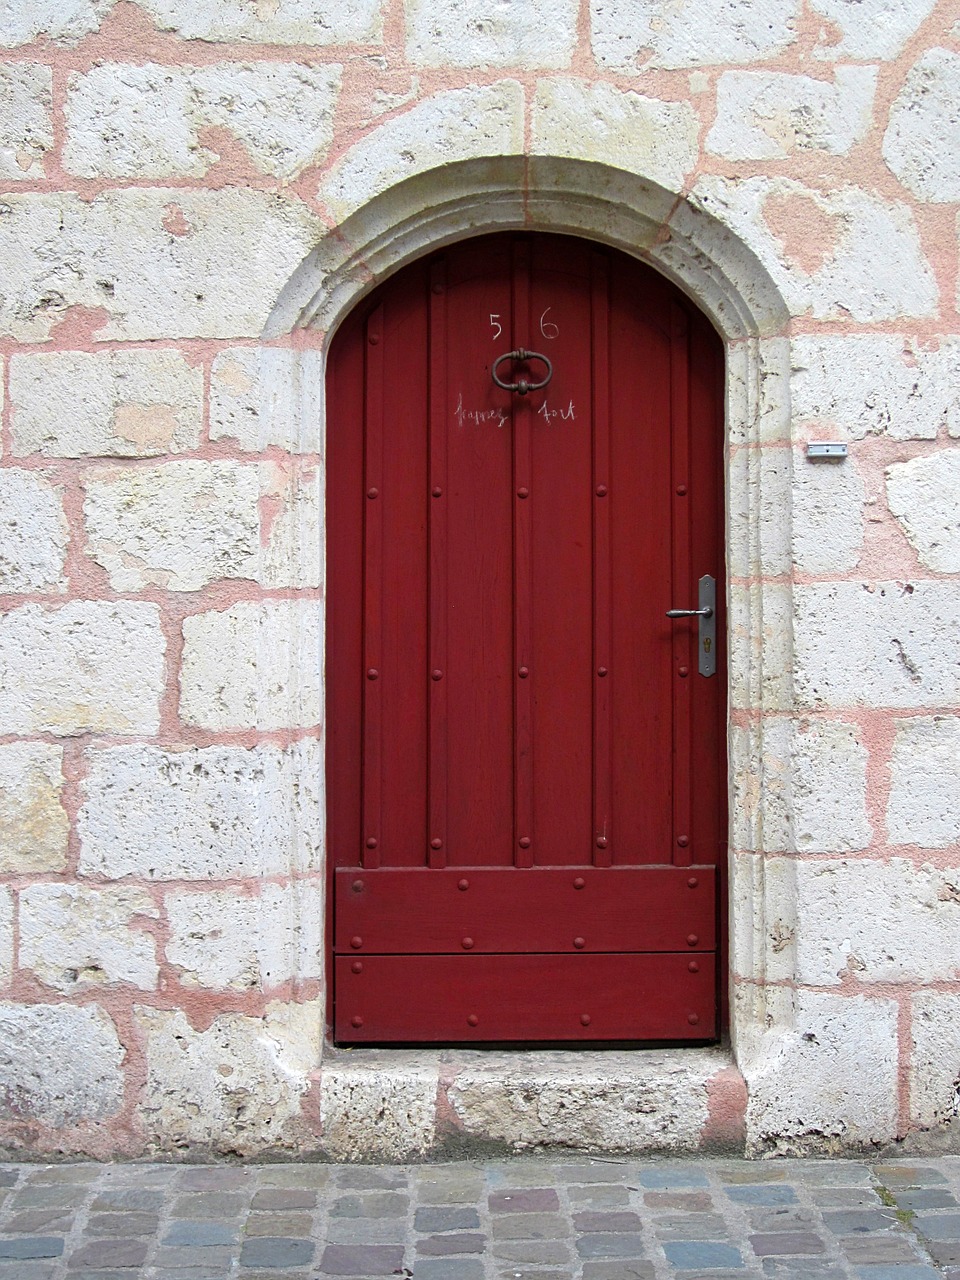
(377, 1204)
(109, 1274)
(697, 1255)
(214, 1260)
(455, 1242)
(611, 1245)
(139, 1175)
(9, 1177)
(828, 1173)
(285, 1198)
(209, 1204)
(926, 1198)
(57, 1196)
(694, 1226)
(445, 1218)
(596, 1171)
(361, 1260)
(599, 1196)
(360, 1178)
(796, 1218)
(608, 1269)
(611, 1221)
(41, 1221)
(940, 1226)
(787, 1242)
(449, 1269)
(529, 1226)
(752, 1173)
(670, 1178)
(767, 1194)
(450, 1188)
(275, 1251)
(24, 1247)
(109, 1253)
(845, 1197)
(918, 1271)
(366, 1230)
(908, 1175)
(295, 1175)
(803, 1269)
(30, 1270)
(527, 1200)
(888, 1246)
(689, 1201)
(196, 1231)
(541, 1251)
(216, 1178)
(58, 1173)
(278, 1224)
(136, 1223)
(846, 1221)
(128, 1198)
(946, 1252)
(532, 1273)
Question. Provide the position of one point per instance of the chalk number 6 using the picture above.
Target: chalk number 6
(547, 327)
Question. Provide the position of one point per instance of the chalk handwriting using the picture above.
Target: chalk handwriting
(477, 417)
(551, 415)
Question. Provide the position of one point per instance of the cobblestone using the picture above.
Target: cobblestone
(525, 1219)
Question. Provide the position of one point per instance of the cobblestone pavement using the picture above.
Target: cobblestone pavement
(518, 1219)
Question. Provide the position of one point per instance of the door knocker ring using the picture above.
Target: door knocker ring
(521, 386)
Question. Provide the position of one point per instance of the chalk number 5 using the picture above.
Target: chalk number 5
(495, 324)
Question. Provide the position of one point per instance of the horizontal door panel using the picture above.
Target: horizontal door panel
(484, 998)
(421, 910)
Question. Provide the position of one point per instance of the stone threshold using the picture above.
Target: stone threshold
(421, 1104)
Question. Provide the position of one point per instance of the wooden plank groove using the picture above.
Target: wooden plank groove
(372, 826)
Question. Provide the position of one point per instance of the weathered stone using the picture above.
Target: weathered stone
(876, 922)
(66, 20)
(381, 1110)
(33, 823)
(88, 666)
(761, 489)
(263, 396)
(800, 1095)
(59, 1065)
(72, 937)
(253, 666)
(246, 941)
(202, 814)
(26, 130)
(924, 804)
(458, 124)
(280, 113)
(33, 530)
(237, 1086)
(631, 35)
(840, 255)
(935, 1060)
(874, 384)
(178, 526)
(291, 506)
(626, 130)
(154, 263)
(74, 404)
(922, 494)
(906, 635)
(310, 22)
(762, 115)
(922, 142)
(587, 1101)
(6, 936)
(472, 33)
(761, 659)
(875, 29)
(828, 516)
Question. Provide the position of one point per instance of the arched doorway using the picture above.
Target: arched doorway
(526, 770)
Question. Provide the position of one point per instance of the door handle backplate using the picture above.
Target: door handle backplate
(706, 614)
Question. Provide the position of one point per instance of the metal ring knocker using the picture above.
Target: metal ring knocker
(521, 386)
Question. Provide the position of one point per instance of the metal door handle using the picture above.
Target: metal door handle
(522, 385)
(706, 627)
(690, 613)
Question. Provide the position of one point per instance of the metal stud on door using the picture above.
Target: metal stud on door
(525, 784)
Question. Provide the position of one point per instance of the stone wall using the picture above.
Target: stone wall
(195, 191)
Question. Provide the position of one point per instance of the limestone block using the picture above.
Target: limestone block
(626, 130)
(246, 941)
(128, 404)
(632, 35)
(846, 254)
(310, 22)
(26, 130)
(201, 814)
(922, 494)
(291, 504)
(263, 396)
(828, 515)
(280, 113)
(178, 526)
(73, 938)
(829, 1081)
(155, 263)
(761, 653)
(33, 822)
(90, 666)
(763, 918)
(66, 20)
(924, 804)
(589, 1101)
(236, 1087)
(877, 922)
(760, 497)
(254, 665)
(6, 936)
(758, 392)
(384, 1109)
(875, 384)
(884, 644)
(762, 115)
(59, 1065)
(870, 28)
(33, 533)
(474, 33)
(935, 1060)
(458, 124)
(922, 142)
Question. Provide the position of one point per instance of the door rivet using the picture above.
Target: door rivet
(683, 671)
(692, 882)
(693, 966)
(523, 672)
(356, 943)
(437, 492)
(683, 841)
(436, 843)
(524, 842)
(693, 1018)
(357, 966)
(601, 671)
(371, 842)
(579, 882)
(472, 1019)
(463, 885)
(601, 842)
(579, 943)
(372, 673)
(467, 944)
(374, 339)
(436, 675)
(682, 490)
(438, 288)
(601, 490)
(585, 1019)
(372, 493)
(523, 492)
(692, 939)
(356, 1021)
(357, 886)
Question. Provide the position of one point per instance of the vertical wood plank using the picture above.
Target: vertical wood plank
(371, 834)
(524, 677)
(437, 676)
(684, 588)
(603, 674)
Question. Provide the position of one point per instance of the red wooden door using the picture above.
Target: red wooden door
(525, 767)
